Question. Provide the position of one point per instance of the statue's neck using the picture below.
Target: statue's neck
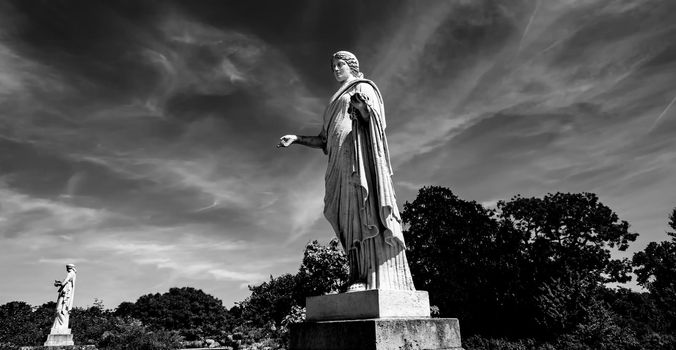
(347, 81)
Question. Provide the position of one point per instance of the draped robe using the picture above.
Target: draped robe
(360, 202)
(64, 303)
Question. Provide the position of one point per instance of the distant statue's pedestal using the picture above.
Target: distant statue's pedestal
(59, 347)
(59, 337)
(374, 320)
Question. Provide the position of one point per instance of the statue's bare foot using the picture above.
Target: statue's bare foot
(356, 287)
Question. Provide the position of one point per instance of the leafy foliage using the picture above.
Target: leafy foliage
(270, 301)
(531, 268)
(463, 257)
(131, 334)
(561, 302)
(477, 342)
(275, 304)
(570, 232)
(191, 312)
(22, 326)
(599, 330)
(656, 271)
(296, 315)
(91, 323)
(323, 270)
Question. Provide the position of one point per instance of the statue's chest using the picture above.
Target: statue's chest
(341, 123)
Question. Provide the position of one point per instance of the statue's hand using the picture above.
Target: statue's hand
(358, 101)
(287, 140)
(57, 283)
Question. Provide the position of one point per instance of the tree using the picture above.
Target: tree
(519, 270)
(566, 253)
(640, 313)
(570, 232)
(464, 258)
(270, 301)
(190, 311)
(598, 330)
(18, 327)
(656, 271)
(89, 324)
(126, 308)
(323, 270)
(276, 303)
(125, 333)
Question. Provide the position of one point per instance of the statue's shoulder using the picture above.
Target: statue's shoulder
(366, 86)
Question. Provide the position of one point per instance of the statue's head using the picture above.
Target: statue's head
(348, 58)
(70, 267)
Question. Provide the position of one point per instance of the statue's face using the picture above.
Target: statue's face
(341, 71)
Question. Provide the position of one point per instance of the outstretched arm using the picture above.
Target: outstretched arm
(309, 141)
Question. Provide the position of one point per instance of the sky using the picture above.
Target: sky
(137, 138)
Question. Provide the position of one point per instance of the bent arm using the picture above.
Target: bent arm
(364, 101)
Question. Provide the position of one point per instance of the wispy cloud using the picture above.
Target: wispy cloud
(63, 261)
(530, 21)
(666, 109)
(23, 216)
(176, 252)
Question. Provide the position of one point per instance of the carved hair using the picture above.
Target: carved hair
(351, 61)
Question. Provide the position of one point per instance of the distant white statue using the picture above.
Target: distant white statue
(64, 302)
(359, 201)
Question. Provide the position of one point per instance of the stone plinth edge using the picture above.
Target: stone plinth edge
(375, 303)
(377, 334)
(65, 339)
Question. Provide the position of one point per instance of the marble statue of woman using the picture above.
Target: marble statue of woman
(64, 301)
(359, 201)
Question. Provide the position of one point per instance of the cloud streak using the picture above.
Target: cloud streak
(178, 257)
(666, 109)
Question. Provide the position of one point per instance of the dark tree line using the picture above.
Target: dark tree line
(536, 269)
(189, 311)
(24, 325)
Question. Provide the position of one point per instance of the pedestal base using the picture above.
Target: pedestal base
(59, 340)
(377, 334)
(63, 347)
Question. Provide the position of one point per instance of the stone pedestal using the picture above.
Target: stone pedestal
(63, 347)
(375, 303)
(373, 320)
(62, 338)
